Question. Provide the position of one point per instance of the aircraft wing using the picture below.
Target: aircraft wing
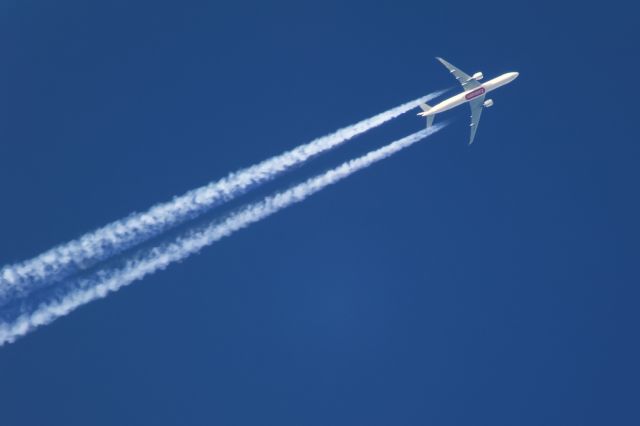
(467, 82)
(476, 111)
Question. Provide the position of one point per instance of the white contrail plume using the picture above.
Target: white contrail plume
(162, 256)
(60, 261)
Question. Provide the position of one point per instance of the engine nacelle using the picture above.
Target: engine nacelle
(478, 76)
(488, 103)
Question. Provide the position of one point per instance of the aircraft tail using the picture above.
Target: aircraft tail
(426, 108)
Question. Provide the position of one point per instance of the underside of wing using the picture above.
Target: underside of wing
(476, 110)
(465, 79)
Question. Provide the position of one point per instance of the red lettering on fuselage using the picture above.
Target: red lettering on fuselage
(475, 93)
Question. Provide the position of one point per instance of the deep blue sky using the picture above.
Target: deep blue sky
(449, 285)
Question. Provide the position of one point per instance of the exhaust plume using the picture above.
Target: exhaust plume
(158, 258)
(59, 262)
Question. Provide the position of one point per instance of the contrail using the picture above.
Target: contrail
(162, 256)
(63, 260)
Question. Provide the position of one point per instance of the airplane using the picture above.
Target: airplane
(474, 94)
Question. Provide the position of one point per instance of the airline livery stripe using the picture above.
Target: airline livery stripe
(474, 94)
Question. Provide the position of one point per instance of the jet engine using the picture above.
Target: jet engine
(478, 76)
(488, 103)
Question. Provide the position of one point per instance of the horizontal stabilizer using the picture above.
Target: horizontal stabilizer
(430, 120)
(426, 108)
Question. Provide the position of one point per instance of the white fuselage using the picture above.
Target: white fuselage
(469, 95)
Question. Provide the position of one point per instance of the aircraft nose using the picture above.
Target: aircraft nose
(515, 75)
